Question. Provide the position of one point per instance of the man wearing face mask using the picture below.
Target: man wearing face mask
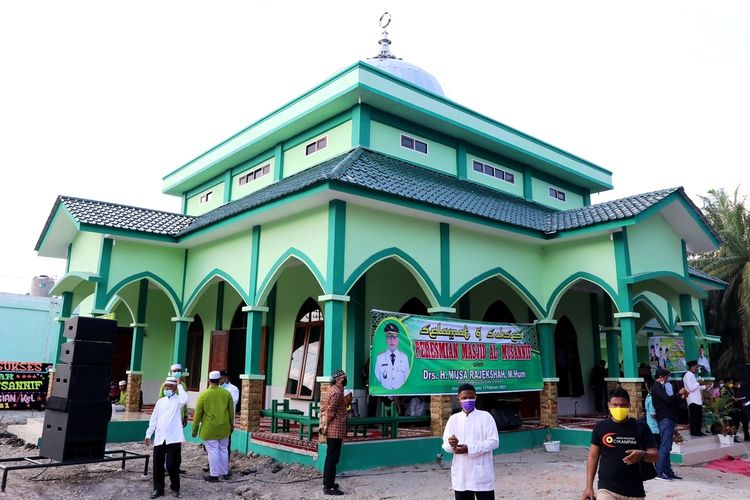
(471, 435)
(618, 443)
(666, 407)
(166, 427)
(333, 427)
(175, 371)
(235, 392)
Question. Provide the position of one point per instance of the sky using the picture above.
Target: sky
(100, 100)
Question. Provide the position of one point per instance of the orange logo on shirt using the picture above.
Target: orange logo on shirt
(609, 439)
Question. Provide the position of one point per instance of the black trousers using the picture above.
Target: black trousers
(332, 459)
(172, 454)
(695, 412)
(471, 495)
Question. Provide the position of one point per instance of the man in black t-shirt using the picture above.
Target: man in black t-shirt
(618, 443)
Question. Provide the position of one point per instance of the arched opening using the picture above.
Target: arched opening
(498, 312)
(194, 356)
(567, 359)
(414, 306)
(307, 352)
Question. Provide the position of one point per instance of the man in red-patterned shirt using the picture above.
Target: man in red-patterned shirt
(333, 426)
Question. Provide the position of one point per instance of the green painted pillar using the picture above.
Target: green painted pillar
(100, 292)
(65, 311)
(219, 324)
(356, 334)
(253, 338)
(546, 331)
(270, 332)
(629, 353)
(139, 327)
(179, 350)
(689, 326)
(595, 338)
(333, 332)
(613, 356)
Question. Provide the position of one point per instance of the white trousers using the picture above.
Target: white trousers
(218, 460)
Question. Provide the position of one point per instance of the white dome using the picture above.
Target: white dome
(409, 72)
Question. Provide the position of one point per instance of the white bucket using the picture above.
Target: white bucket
(552, 446)
(726, 440)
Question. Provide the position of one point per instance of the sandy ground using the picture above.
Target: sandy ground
(532, 474)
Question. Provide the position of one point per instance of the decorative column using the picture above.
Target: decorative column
(630, 381)
(179, 350)
(100, 289)
(251, 395)
(133, 396)
(440, 411)
(441, 407)
(689, 326)
(548, 400)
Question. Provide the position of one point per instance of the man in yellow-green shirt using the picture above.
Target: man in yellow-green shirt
(214, 416)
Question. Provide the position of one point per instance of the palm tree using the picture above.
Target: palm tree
(729, 310)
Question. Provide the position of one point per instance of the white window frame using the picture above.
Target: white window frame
(245, 179)
(414, 144)
(317, 145)
(483, 164)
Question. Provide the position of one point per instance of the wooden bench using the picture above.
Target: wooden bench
(388, 421)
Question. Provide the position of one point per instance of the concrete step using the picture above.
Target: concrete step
(696, 450)
(30, 432)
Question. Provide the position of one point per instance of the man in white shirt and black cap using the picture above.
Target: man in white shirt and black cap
(166, 427)
(471, 435)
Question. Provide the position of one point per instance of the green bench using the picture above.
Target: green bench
(388, 421)
(281, 413)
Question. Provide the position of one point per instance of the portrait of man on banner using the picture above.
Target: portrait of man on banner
(392, 365)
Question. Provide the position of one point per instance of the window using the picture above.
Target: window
(316, 145)
(207, 196)
(307, 346)
(414, 144)
(255, 174)
(556, 194)
(495, 172)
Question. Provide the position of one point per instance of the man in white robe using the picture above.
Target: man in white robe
(471, 436)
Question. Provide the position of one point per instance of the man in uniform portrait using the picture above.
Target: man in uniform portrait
(391, 365)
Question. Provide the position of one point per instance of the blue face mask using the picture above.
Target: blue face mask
(468, 405)
(168, 393)
(177, 374)
(225, 384)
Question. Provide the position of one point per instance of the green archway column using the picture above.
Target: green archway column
(356, 333)
(139, 327)
(629, 352)
(65, 311)
(179, 350)
(333, 333)
(613, 351)
(253, 338)
(546, 332)
(689, 326)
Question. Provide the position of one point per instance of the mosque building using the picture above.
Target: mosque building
(375, 191)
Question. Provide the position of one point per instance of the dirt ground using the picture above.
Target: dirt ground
(532, 474)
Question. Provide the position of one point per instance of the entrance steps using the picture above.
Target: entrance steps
(697, 450)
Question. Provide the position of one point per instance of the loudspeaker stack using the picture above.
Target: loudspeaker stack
(78, 411)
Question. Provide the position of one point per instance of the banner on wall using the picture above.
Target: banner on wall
(413, 355)
(23, 385)
(667, 353)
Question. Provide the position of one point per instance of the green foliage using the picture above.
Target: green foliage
(729, 310)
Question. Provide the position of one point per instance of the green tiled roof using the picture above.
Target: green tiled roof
(376, 173)
(708, 277)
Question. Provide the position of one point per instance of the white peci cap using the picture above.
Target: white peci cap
(214, 375)
(122, 382)
(170, 380)
(176, 367)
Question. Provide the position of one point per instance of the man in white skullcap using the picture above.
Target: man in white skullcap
(214, 416)
(176, 371)
(123, 392)
(166, 426)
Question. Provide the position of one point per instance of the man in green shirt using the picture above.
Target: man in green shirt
(123, 393)
(214, 415)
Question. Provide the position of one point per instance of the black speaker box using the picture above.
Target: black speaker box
(94, 329)
(506, 417)
(76, 432)
(81, 382)
(81, 352)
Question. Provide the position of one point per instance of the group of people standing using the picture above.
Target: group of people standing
(213, 421)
